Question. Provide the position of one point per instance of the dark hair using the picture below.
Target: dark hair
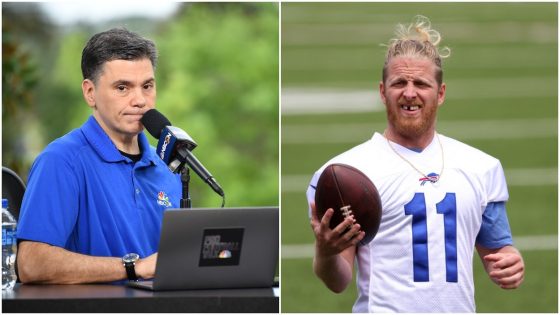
(115, 44)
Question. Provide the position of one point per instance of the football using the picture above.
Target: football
(349, 192)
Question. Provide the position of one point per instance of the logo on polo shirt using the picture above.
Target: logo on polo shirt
(163, 199)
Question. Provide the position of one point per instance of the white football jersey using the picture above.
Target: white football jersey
(421, 258)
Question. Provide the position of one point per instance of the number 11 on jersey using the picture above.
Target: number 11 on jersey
(417, 208)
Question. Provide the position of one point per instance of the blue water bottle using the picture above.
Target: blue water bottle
(9, 248)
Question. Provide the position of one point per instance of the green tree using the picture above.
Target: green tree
(20, 77)
(218, 77)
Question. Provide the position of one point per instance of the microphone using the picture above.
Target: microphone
(175, 146)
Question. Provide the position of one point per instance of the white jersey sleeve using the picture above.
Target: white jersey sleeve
(496, 188)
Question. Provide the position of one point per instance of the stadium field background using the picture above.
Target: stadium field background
(501, 98)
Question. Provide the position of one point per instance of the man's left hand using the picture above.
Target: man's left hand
(146, 267)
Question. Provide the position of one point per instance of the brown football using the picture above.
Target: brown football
(349, 192)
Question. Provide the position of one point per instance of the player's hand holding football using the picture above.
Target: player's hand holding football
(507, 268)
(333, 241)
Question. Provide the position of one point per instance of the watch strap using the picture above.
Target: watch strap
(129, 263)
(130, 271)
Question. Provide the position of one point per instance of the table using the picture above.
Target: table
(119, 298)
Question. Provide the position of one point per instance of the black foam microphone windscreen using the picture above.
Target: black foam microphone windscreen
(154, 122)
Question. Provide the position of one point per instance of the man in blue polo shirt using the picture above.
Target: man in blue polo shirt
(95, 197)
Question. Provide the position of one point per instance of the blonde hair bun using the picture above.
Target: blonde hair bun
(417, 40)
(420, 30)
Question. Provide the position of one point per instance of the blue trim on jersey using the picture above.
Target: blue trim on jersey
(494, 231)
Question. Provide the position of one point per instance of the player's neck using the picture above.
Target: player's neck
(416, 143)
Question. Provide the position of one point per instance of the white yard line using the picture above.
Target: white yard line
(523, 243)
(361, 31)
(460, 130)
(515, 177)
(297, 101)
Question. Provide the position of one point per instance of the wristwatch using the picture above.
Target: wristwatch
(129, 260)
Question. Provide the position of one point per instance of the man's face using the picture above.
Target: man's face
(124, 91)
(412, 96)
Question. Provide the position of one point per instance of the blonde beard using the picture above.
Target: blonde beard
(411, 128)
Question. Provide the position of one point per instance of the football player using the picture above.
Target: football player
(441, 198)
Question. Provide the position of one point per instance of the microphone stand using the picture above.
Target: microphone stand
(185, 178)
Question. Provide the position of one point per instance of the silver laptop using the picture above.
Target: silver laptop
(216, 249)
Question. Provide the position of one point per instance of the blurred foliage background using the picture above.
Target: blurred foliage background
(217, 78)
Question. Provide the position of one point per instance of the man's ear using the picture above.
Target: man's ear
(88, 90)
(441, 94)
(382, 92)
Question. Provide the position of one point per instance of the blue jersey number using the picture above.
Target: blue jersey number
(417, 209)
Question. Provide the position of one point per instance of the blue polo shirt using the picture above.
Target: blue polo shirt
(83, 195)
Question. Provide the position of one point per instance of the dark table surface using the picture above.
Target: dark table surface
(119, 298)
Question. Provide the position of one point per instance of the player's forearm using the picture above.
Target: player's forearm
(43, 263)
(335, 270)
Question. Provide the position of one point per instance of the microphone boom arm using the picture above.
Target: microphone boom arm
(184, 156)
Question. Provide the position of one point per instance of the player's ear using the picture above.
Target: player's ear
(382, 92)
(441, 94)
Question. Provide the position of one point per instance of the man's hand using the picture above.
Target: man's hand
(43, 263)
(505, 267)
(329, 241)
(335, 249)
(146, 267)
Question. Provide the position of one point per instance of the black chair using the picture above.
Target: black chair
(12, 189)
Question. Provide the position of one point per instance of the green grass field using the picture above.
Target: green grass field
(501, 98)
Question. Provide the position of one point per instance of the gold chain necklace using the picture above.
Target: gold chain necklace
(431, 178)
